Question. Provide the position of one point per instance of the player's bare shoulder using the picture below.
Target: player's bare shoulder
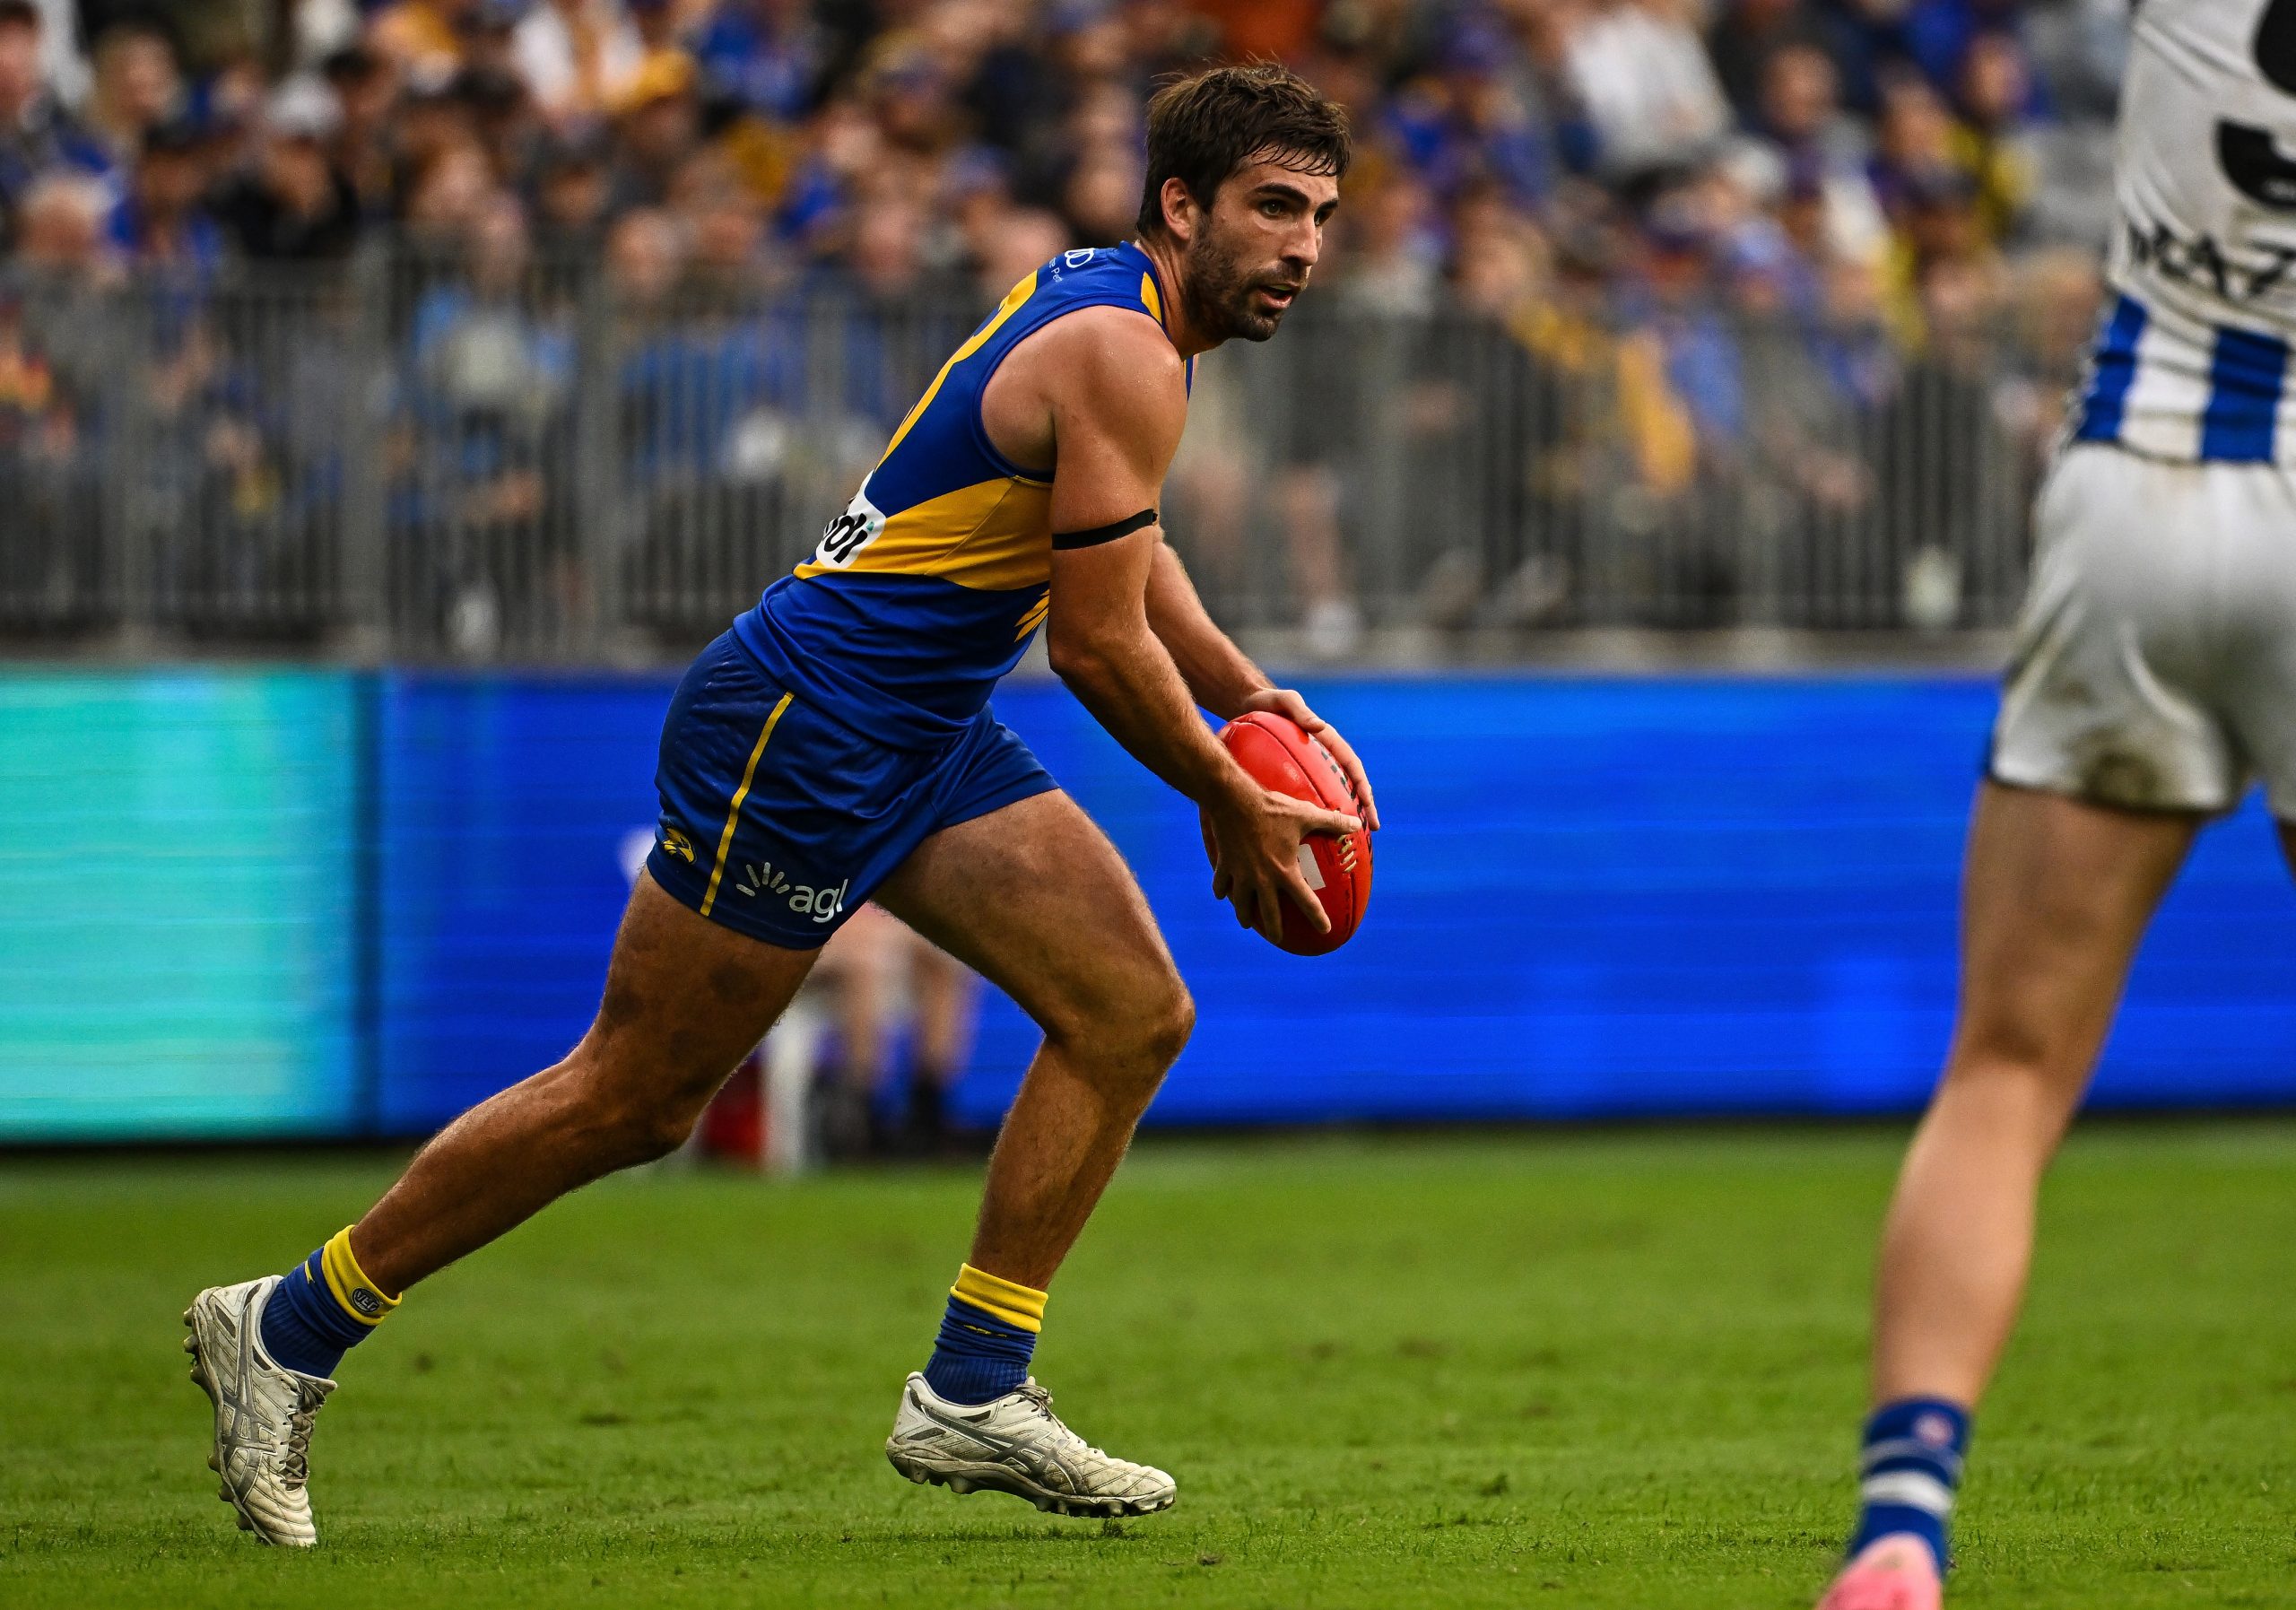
(1109, 369)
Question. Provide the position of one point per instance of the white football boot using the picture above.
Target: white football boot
(1016, 1444)
(263, 1413)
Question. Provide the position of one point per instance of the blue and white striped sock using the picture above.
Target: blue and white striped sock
(1908, 1470)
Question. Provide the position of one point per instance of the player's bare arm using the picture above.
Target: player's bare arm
(1269, 221)
(1103, 394)
(1223, 678)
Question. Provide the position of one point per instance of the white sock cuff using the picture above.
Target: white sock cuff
(1911, 1489)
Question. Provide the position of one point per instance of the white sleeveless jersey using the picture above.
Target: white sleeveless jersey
(2192, 364)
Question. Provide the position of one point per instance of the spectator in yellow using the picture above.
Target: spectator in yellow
(424, 37)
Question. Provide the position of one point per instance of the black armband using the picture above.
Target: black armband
(1104, 533)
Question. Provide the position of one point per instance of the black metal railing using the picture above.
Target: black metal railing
(433, 456)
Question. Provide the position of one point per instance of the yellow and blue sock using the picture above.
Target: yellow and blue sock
(324, 1306)
(1909, 1469)
(987, 1337)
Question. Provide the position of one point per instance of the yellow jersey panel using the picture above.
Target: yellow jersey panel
(993, 534)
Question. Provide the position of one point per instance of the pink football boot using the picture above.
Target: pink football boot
(1897, 1572)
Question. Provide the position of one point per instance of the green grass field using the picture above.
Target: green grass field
(1615, 1370)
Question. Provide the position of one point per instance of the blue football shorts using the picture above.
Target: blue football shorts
(778, 821)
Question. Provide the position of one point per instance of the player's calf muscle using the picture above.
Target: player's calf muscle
(683, 1002)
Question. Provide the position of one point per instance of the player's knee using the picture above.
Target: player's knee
(659, 1131)
(631, 1120)
(1177, 1023)
(629, 1132)
(2015, 1082)
(1129, 1031)
(1158, 1028)
(2016, 1047)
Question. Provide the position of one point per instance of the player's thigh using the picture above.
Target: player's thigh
(1034, 898)
(2055, 895)
(685, 999)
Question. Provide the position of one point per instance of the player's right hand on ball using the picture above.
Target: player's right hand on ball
(1254, 839)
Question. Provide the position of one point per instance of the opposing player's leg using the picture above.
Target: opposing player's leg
(2055, 895)
(1035, 898)
(685, 1000)
(862, 968)
(946, 996)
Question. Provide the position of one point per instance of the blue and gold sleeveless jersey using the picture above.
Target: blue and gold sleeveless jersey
(929, 586)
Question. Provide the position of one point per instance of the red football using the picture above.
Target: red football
(1279, 756)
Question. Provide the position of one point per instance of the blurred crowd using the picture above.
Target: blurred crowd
(1820, 266)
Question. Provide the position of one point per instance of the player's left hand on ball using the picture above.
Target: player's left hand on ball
(1254, 845)
(1287, 702)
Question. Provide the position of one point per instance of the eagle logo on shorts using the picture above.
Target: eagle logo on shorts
(675, 843)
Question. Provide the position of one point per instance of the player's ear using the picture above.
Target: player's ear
(1181, 215)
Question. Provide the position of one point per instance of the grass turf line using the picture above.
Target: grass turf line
(1606, 1370)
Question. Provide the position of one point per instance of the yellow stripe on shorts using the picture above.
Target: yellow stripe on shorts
(733, 815)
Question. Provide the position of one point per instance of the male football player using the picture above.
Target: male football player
(835, 746)
(2155, 678)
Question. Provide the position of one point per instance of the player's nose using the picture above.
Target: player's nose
(1305, 245)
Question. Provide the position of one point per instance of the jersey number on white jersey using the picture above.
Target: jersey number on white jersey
(2247, 154)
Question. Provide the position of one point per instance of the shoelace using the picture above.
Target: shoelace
(295, 1465)
(1042, 1398)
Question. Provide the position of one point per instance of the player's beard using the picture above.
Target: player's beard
(1221, 291)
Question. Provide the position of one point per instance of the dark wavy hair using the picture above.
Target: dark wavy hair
(1203, 127)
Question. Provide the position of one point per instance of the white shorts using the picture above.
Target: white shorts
(2155, 666)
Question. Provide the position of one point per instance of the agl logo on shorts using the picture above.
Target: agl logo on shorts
(820, 904)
